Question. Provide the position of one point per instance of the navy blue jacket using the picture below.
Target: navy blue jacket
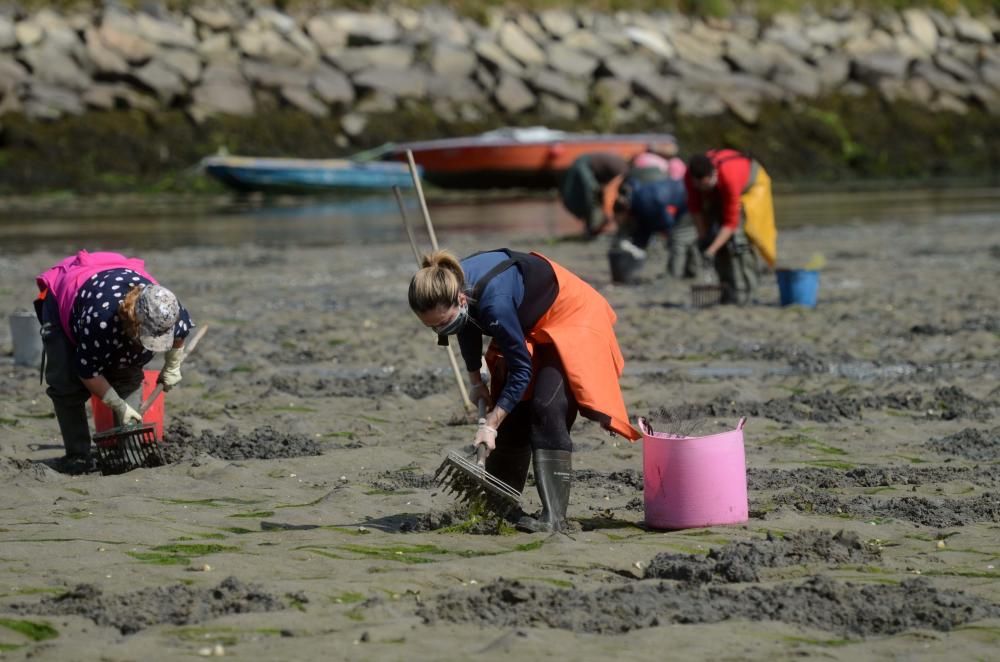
(496, 315)
(649, 202)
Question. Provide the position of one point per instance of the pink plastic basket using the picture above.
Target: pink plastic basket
(692, 482)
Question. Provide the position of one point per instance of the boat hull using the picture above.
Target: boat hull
(475, 163)
(305, 175)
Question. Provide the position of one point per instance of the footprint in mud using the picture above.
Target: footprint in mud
(263, 443)
(979, 445)
(176, 604)
(843, 607)
(742, 561)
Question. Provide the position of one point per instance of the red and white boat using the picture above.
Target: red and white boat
(532, 157)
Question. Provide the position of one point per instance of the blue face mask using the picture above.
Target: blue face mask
(456, 324)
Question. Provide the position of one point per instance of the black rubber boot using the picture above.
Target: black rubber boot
(553, 475)
(510, 465)
(75, 465)
(73, 427)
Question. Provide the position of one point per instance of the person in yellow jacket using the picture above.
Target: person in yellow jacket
(553, 355)
(729, 198)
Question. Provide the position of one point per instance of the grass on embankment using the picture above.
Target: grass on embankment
(825, 141)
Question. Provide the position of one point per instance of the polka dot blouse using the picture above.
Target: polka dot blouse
(101, 342)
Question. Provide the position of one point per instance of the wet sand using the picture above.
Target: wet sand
(297, 517)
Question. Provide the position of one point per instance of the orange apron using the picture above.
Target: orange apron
(579, 323)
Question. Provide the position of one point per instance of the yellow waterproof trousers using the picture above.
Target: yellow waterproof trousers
(758, 209)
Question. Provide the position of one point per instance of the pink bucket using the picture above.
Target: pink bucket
(694, 481)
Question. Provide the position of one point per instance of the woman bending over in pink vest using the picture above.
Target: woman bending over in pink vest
(103, 316)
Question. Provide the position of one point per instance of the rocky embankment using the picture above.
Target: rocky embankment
(628, 70)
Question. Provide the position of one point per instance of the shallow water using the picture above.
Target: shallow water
(170, 222)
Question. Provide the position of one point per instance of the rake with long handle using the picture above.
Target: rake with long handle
(415, 176)
(469, 481)
(129, 447)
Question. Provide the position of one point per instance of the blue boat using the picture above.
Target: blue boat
(278, 175)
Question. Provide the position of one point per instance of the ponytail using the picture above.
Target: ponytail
(438, 283)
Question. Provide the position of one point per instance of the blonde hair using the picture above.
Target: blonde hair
(438, 282)
(126, 313)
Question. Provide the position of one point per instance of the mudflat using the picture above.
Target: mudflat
(297, 517)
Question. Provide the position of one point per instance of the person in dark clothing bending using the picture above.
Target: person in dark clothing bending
(103, 316)
(583, 187)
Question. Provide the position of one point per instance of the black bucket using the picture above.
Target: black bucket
(624, 266)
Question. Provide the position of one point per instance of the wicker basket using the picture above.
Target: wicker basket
(706, 294)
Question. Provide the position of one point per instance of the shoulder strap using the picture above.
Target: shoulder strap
(477, 292)
(541, 287)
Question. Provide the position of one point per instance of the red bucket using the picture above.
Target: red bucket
(104, 419)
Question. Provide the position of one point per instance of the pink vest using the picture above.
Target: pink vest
(64, 280)
(674, 167)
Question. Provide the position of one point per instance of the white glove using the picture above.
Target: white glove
(170, 376)
(124, 413)
(486, 434)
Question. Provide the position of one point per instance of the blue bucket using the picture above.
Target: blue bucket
(798, 287)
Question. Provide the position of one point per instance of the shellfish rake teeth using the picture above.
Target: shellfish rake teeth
(470, 483)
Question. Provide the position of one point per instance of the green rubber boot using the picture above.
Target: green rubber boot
(553, 475)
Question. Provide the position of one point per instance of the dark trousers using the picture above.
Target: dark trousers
(683, 258)
(643, 228)
(544, 421)
(67, 392)
(736, 265)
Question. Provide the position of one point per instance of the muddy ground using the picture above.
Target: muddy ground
(297, 513)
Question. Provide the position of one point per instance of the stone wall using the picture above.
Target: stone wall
(637, 69)
(123, 101)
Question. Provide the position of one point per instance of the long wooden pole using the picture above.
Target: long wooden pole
(416, 254)
(415, 175)
(406, 224)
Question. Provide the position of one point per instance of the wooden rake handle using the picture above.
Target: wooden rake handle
(188, 348)
(481, 450)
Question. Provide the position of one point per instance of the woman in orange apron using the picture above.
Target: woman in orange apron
(553, 355)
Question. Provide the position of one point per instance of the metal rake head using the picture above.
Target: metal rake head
(122, 450)
(469, 483)
(706, 294)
